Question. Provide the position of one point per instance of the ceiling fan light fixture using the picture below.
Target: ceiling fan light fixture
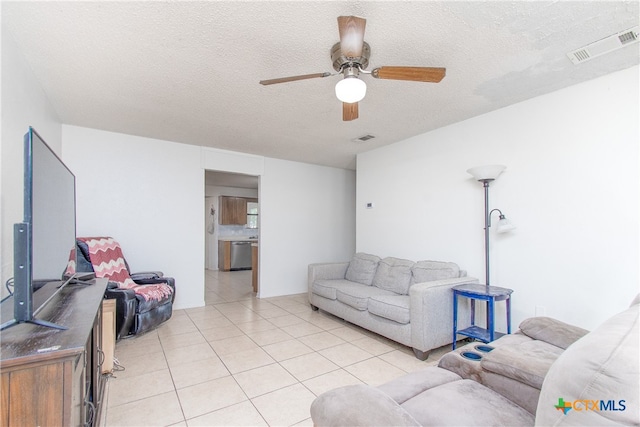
(351, 89)
(350, 57)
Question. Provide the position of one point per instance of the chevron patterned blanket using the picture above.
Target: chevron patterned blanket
(108, 261)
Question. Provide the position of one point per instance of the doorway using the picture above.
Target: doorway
(221, 232)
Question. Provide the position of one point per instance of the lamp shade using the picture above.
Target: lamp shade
(486, 173)
(351, 89)
(504, 225)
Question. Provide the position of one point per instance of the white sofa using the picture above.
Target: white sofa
(408, 302)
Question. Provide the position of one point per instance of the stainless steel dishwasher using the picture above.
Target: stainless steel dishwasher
(240, 255)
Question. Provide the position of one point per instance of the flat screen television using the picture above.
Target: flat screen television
(44, 243)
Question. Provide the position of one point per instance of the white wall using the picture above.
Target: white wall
(307, 215)
(24, 104)
(571, 187)
(149, 195)
(146, 193)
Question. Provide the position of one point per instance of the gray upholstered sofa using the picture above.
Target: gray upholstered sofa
(408, 302)
(593, 382)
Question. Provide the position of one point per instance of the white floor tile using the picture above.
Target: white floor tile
(374, 371)
(330, 380)
(191, 353)
(162, 409)
(207, 397)
(192, 373)
(309, 366)
(125, 390)
(243, 361)
(232, 345)
(321, 341)
(265, 379)
(287, 349)
(286, 406)
(240, 414)
(345, 354)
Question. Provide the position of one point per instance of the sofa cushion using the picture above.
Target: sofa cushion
(393, 274)
(392, 307)
(410, 385)
(362, 268)
(358, 405)
(465, 403)
(327, 287)
(357, 295)
(428, 271)
(527, 362)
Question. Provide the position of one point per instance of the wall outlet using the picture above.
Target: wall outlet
(541, 311)
(369, 205)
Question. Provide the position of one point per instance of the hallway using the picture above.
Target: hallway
(227, 286)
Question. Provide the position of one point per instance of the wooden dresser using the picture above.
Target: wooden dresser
(52, 377)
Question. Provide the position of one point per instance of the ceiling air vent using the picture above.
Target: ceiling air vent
(363, 138)
(628, 36)
(606, 45)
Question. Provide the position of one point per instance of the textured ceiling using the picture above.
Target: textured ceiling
(189, 71)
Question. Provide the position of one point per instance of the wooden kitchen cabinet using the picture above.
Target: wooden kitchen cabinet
(224, 255)
(233, 210)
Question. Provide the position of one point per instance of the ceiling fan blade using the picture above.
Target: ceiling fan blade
(416, 74)
(349, 111)
(293, 78)
(351, 30)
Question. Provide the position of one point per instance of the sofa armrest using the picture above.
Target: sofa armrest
(358, 405)
(155, 280)
(327, 270)
(141, 275)
(432, 312)
(552, 331)
(169, 281)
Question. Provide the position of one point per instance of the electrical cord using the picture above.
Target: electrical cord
(116, 368)
(8, 283)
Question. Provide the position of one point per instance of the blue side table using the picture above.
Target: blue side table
(490, 294)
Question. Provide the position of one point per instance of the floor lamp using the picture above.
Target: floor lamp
(486, 174)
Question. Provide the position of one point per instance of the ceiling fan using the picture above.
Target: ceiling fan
(350, 57)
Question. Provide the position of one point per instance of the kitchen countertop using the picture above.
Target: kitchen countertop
(236, 239)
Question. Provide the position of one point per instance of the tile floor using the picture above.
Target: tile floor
(244, 361)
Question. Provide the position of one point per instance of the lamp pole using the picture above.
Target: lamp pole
(486, 174)
(485, 183)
